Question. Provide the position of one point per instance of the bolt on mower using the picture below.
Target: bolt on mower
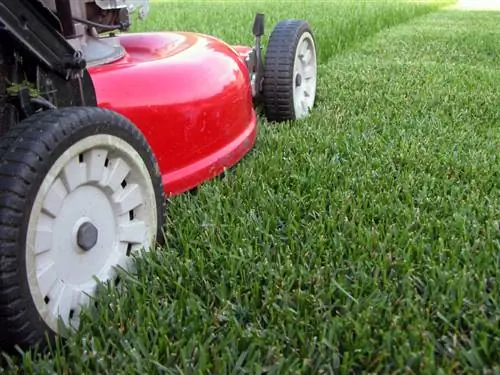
(99, 126)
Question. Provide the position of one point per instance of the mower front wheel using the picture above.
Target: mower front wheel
(290, 71)
(80, 193)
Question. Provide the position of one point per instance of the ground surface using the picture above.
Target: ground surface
(363, 238)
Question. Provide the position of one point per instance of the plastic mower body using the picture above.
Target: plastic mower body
(191, 98)
(98, 128)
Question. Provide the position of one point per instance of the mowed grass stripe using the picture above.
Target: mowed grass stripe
(365, 238)
(338, 24)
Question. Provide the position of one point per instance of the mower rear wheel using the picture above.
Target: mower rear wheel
(290, 70)
(80, 193)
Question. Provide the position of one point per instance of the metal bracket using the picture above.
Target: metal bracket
(35, 30)
(257, 63)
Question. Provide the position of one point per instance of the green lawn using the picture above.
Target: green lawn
(364, 238)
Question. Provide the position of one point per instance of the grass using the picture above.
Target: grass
(365, 238)
(338, 24)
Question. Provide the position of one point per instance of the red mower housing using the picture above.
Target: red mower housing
(191, 97)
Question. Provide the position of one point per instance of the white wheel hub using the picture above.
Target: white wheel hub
(95, 207)
(304, 74)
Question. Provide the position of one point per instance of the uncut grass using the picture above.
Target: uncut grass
(363, 238)
(338, 24)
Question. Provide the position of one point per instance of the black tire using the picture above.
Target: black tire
(27, 152)
(279, 79)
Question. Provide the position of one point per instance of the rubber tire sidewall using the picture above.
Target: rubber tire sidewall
(71, 125)
(278, 86)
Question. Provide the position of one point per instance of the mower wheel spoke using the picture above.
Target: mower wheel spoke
(55, 198)
(304, 105)
(46, 278)
(74, 174)
(95, 160)
(43, 240)
(128, 199)
(302, 52)
(62, 305)
(308, 72)
(118, 171)
(306, 56)
(132, 232)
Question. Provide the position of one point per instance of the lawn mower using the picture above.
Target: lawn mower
(100, 126)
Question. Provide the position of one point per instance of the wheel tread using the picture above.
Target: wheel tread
(278, 69)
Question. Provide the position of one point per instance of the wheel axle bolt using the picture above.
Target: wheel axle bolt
(86, 236)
